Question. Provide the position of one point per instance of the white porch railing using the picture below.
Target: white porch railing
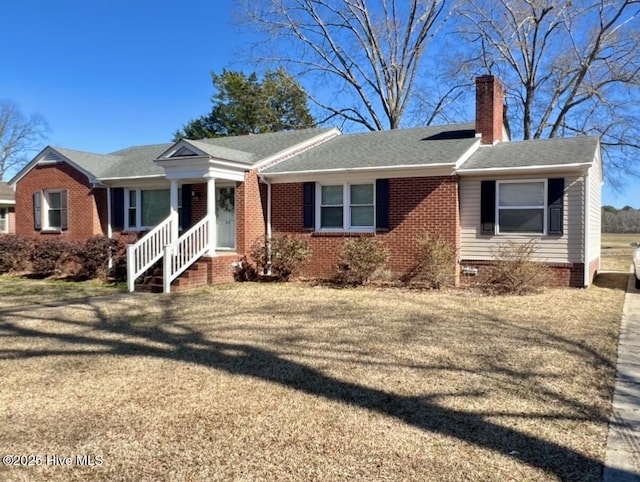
(184, 252)
(149, 250)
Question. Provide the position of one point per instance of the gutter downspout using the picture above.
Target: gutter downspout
(269, 232)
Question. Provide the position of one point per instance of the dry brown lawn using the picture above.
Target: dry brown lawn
(295, 382)
(21, 291)
(617, 251)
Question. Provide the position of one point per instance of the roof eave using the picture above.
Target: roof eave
(126, 178)
(578, 166)
(297, 148)
(441, 169)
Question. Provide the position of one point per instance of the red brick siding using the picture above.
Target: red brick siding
(220, 269)
(251, 211)
(199, 202)
(101, 221)
(83, 217)
(489, 108)
(417, 206)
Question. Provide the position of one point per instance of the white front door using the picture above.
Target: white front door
(226, 217)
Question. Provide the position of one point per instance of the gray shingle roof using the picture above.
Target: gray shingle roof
(262, 146)
(402, 147)
(395, 148)
(534, 153)
(220, 152)
(96, 164)
(137, 161)
(6, 193)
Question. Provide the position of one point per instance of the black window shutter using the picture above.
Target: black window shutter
(118, 208)
(382, 204)
(185, 221)
(488, 207)
(37, 210)
(64, 211)
(555, 201)
(308, 201)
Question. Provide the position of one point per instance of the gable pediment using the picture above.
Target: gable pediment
(184, 151)
(50, 156)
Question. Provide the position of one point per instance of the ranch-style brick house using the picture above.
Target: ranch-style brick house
(199, 205)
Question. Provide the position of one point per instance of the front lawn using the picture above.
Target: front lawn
(16, 291)
(294, 382)
(617, 251)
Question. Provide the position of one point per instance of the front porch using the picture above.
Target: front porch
(217, 191)
(213, 235)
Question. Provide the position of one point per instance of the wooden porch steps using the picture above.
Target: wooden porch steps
(195, 276)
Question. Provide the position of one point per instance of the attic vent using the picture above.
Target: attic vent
(183, 152)
(51, 157)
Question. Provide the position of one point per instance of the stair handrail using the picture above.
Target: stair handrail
(149, 249)
(188, 248)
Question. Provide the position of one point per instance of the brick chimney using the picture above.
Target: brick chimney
(489, 109)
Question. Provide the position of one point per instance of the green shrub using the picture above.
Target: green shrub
(94, 256)
(360, 259)
(514, 272)
(435, 262)
(14, 253)
(281, 256)
(49, 257)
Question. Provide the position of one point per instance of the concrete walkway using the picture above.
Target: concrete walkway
(623, 444)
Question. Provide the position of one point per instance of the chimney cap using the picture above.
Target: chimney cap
(485, 78)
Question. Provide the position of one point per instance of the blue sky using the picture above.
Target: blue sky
(108, 74)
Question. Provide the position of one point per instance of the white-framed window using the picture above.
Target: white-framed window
(521, 206)
(50, 210)
(345, 207)
(4, 220)
(146, 208)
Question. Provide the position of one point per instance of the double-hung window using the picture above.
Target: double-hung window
(4, 220)
(50, 209)
(521, 207)
(346, 207)
(332, 207)
(146, 208)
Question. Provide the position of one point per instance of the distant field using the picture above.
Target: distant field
(617, 251)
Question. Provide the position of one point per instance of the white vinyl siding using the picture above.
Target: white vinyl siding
(568, 248)
(595, 211)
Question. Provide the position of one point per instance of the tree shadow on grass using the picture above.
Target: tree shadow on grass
(172, 340)
(616, 280)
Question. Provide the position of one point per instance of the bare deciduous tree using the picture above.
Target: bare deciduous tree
(19, 136)
(570, 67)
(364, 53)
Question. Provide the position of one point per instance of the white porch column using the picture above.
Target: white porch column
(173, 210)
(109, 226)
(211, 213)
(109, 215)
